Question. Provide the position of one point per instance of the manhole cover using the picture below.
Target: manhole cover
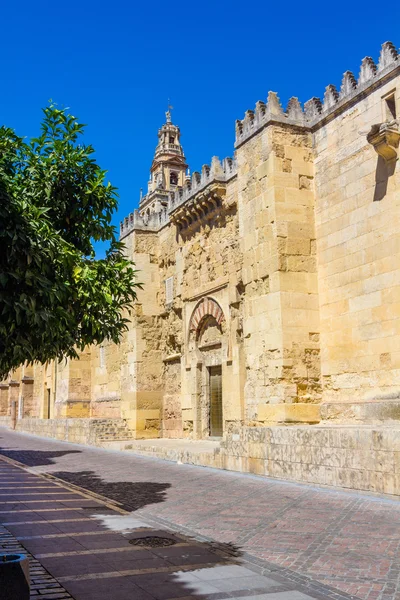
(152, 541)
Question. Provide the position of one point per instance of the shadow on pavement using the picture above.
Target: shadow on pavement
(131, 495)
(35, 458)
(188, 569)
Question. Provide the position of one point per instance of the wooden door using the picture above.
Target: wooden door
(215, 399)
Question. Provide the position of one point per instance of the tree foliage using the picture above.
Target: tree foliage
(55, 296)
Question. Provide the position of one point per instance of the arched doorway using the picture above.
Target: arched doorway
(207, 339)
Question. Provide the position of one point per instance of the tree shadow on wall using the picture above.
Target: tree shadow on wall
(130, 495)
(35, 458)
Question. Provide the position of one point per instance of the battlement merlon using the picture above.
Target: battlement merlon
(317, 113)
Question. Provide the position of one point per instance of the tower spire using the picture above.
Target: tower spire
(168, 170)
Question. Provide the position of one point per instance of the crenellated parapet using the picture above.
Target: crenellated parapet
(315, 111)
(143, 222)
(202, 198)
(217, 172)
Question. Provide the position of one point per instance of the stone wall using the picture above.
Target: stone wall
(365, 458)
(106, 376)
(283, 271)
(204, 262)
(281, 313)
(358, 241)
(77, 430)
(141, 361)
(358, 458)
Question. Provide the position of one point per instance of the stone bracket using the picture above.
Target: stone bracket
(385, 137)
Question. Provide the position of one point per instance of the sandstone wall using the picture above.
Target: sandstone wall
(285, 273)
(106, 377)
(204, 262)
(140, 362)
(281, 316)
(358, 241)
(365, 458)
(75, 430)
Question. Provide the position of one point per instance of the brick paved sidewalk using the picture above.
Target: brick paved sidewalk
(82, 544)
(312, 538)
(43, 585)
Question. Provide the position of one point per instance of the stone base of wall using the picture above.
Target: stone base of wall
(5, 422)
(365, 458)
(79, 431)
(358, 458)
(92, 432)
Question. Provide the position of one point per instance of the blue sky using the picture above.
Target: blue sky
(116, 64)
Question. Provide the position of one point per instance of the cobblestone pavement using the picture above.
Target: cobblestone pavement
(323, 540)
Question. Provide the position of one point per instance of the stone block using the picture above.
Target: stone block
(289, 413)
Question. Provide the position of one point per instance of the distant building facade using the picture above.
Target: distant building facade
(270, 313)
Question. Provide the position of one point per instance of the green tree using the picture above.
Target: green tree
(55, 296)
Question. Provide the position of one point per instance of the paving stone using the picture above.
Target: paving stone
(255, 582)
(43, 584)
(172, 590)
(290, 595)
(225, 571)
(321, 542)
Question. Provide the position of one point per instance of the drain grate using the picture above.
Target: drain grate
(152, 541)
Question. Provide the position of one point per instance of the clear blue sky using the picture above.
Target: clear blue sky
(116, 64)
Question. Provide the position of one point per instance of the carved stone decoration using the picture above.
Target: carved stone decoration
(206, 307)
(248, 120)
(385, 137)
(273, 104)
(260, 109)
(238, 127)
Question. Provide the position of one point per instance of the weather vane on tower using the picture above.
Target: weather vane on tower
(168, 113)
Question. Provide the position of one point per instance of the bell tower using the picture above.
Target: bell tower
(168, 170)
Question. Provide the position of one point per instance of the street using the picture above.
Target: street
(296, 539)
